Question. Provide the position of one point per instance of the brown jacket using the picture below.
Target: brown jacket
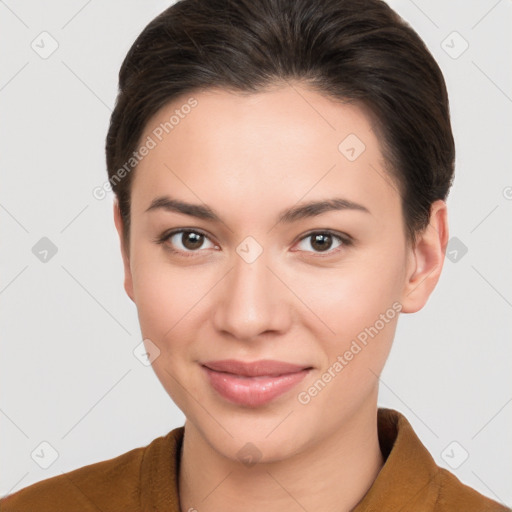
(146, 479)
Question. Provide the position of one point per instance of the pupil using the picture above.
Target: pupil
(192, 240)
(323, 241)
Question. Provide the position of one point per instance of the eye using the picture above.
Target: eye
(189, 241)
(185, 240)
(323, 242)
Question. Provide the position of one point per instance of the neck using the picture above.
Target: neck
(334, 474)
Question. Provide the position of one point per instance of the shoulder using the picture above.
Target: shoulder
(454, 496)
(411, 477)
(109, 485)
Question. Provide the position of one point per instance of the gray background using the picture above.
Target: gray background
(68, 375)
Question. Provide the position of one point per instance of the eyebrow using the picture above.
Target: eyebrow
(302, 211)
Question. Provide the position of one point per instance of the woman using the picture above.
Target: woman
(281, 169)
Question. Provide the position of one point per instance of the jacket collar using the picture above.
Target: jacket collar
(409, 478)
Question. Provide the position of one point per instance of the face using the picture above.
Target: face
(265, 228)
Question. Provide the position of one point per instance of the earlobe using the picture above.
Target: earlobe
(128, 281)
(427, 258)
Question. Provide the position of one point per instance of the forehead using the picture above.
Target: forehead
(285, 143)
(292, 113)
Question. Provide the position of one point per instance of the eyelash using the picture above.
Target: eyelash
(346, 241)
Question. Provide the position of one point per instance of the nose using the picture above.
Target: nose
(252, 301)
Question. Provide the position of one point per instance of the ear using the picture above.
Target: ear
(128, 282)
(426, 260)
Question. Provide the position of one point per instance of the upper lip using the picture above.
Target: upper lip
(264, 367)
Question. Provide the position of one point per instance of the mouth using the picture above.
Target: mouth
(253, 384)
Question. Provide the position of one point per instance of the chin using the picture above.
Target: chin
(262, 436)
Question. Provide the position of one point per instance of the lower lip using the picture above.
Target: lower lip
(252, 391)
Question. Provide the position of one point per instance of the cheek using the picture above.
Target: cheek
(161, 294)
(172, 302)
(165, 299)
(352, 297)
(358, 307)
(362, 310)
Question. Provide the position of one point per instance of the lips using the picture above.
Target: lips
(265, 367)
(253, 384)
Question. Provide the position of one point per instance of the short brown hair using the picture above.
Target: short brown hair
(351, 50)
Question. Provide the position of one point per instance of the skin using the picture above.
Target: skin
(249, 158)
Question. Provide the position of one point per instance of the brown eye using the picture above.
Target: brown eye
(187, 241)
(322, 242)
(192, 240)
